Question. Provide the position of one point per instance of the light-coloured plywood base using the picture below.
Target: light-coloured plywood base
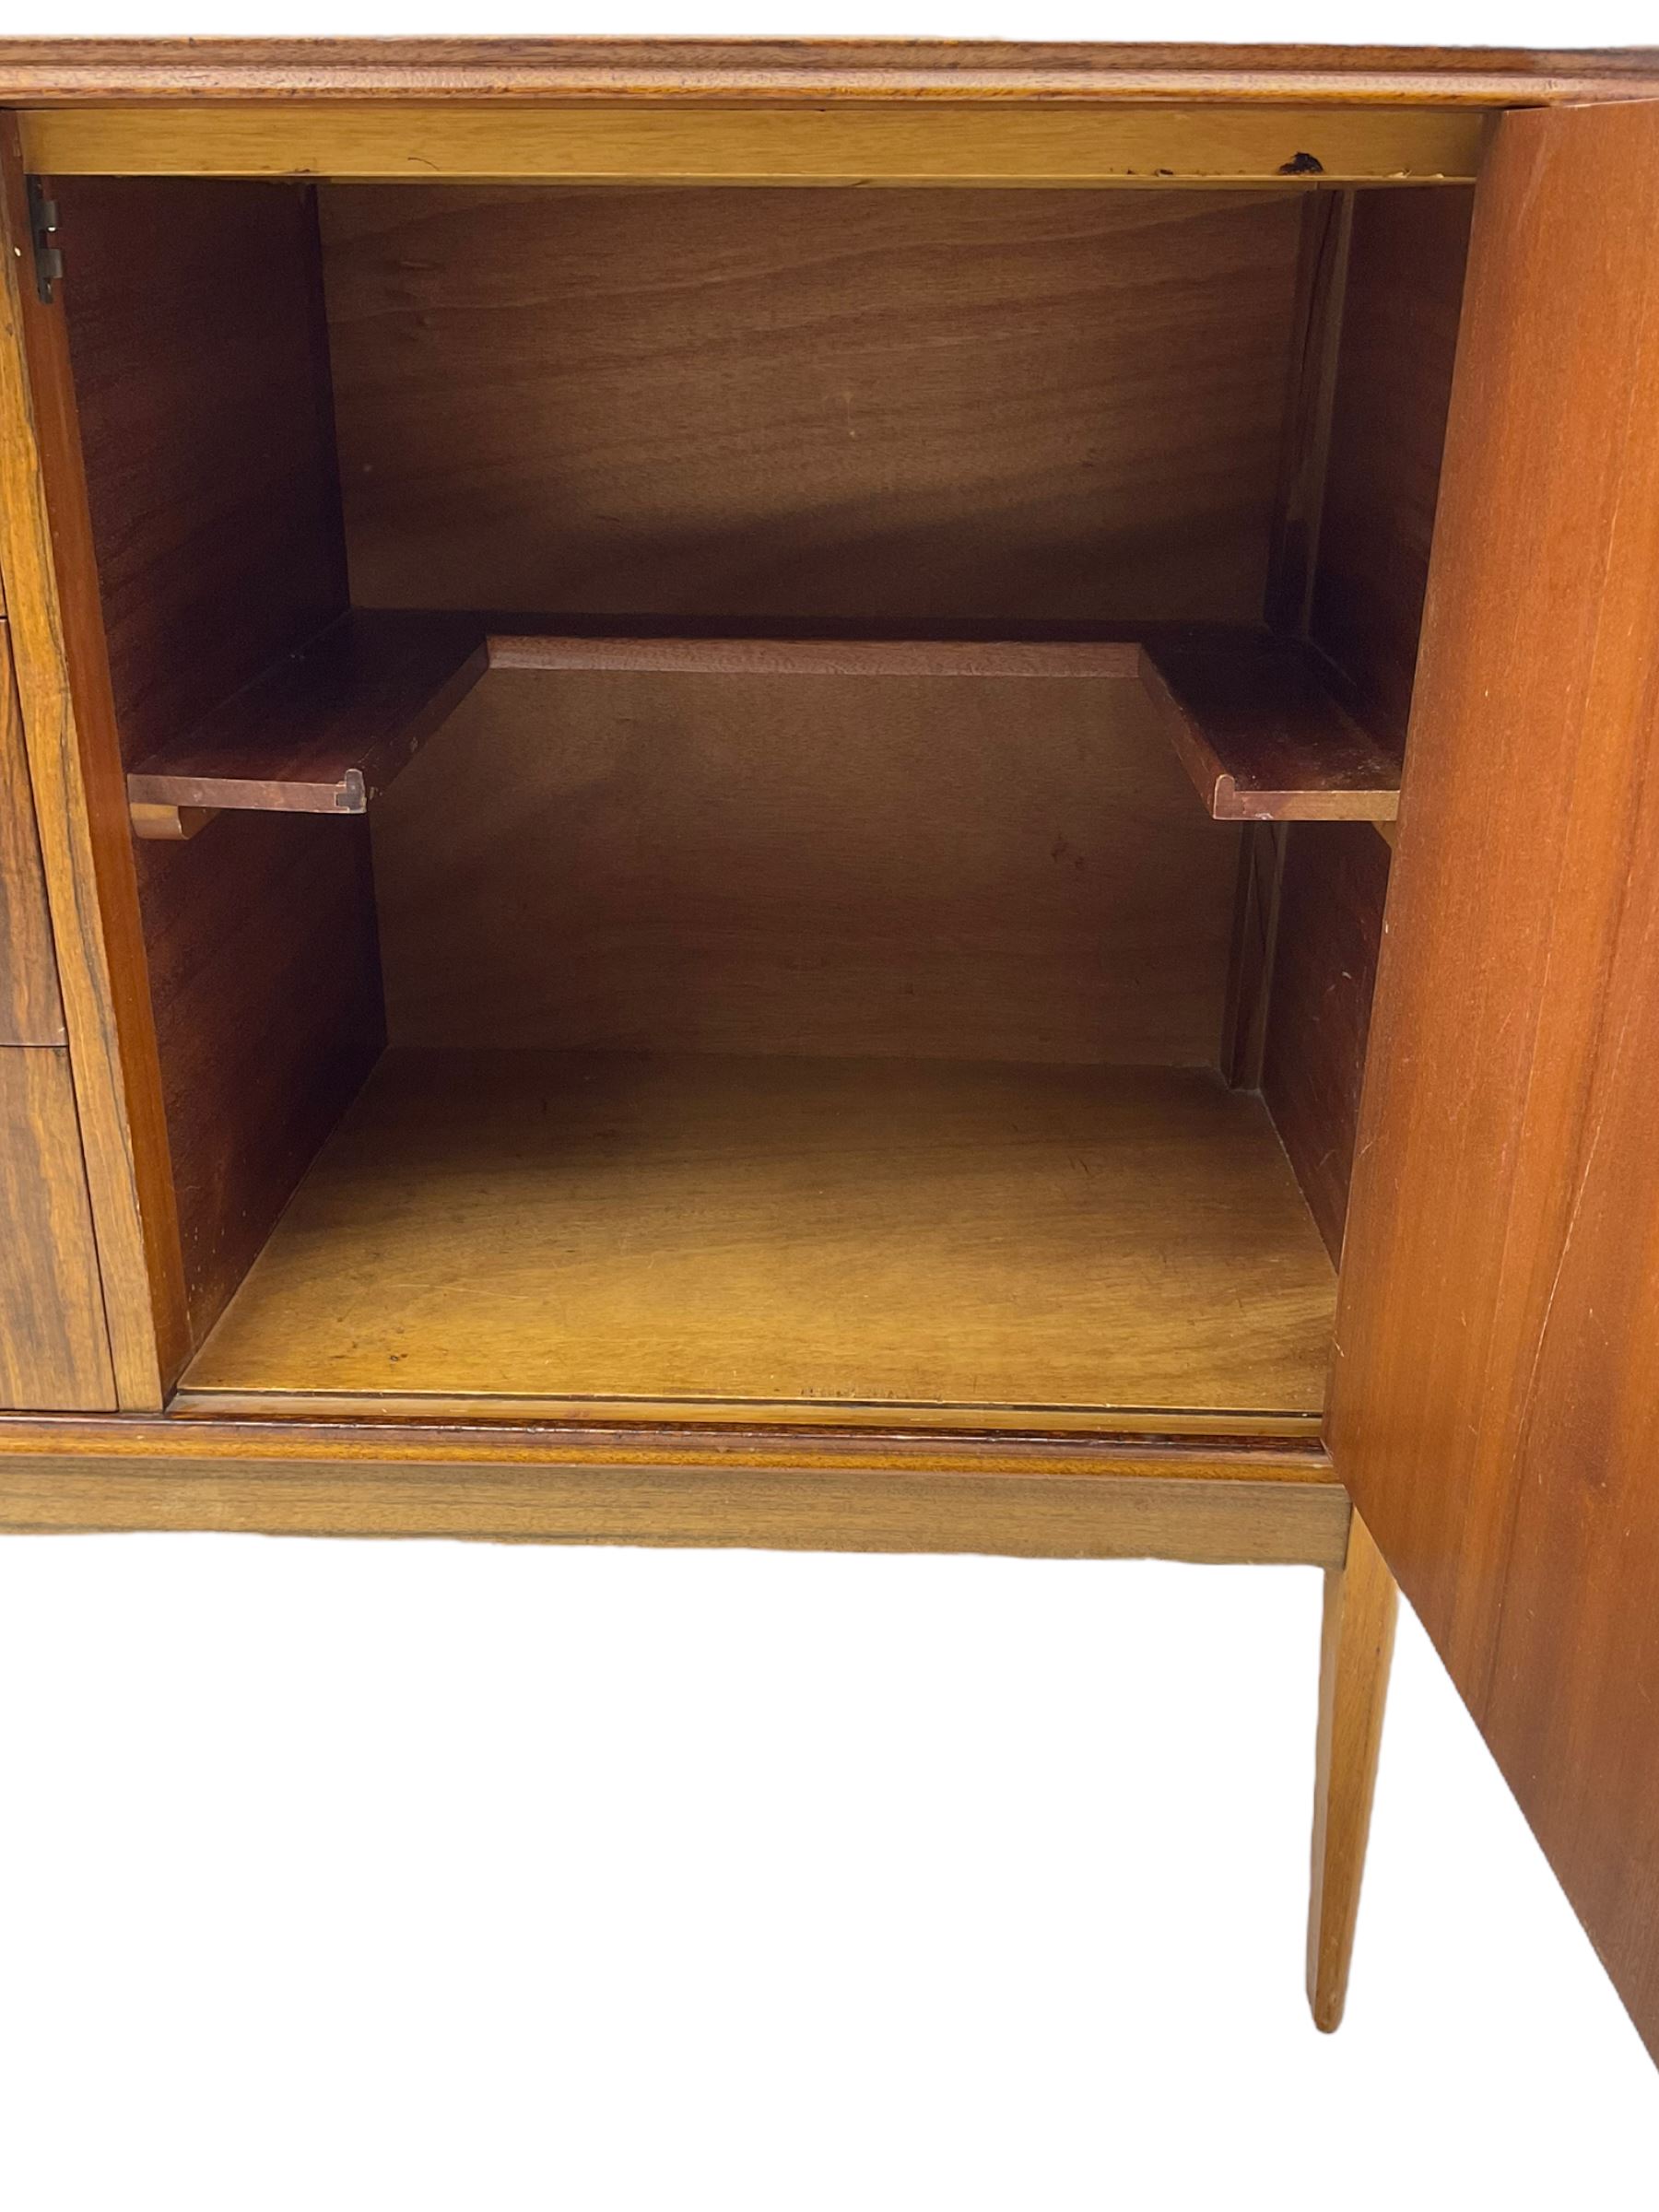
(771, 1232)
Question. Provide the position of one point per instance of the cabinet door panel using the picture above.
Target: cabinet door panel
(1496, 1398)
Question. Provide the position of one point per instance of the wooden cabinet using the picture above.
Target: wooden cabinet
(699, 854)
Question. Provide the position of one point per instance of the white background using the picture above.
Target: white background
(355, 1875)
(1354, 22)
(374, 1876)
(1401, 23)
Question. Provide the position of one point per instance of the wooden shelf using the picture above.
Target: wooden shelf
(1254, 719)
(939, 1242)
(1262, 735)
(328, 727)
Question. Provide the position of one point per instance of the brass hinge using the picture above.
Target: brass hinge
(42, 226)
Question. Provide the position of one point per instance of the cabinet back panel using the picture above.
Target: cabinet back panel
(201, 372)
(902, 405)
(987, 868)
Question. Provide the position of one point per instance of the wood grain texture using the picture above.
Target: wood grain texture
(1263, 736)
(1001, 143)
(1496, 1413)
(1080, 1517)
(195, 324)
(1145, 1425)
(80, 810)
(988, 868)
(54, 1347)
(276, 1433)
(1393, 384)
(329, 726)
(1255, 938)
(65, 71)
(1361, 1605)
(907, 406)
(267, 980)
(777, 1230)
(632, 1484)
(201, 371)
(1329, 934)
(1322, 278)
(31, 1010)
(1320, 289)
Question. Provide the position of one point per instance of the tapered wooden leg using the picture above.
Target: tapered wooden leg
(1360, 1604)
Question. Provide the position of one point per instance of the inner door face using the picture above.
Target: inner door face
(1496, 1398)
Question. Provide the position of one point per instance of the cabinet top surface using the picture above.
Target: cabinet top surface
(54, 71)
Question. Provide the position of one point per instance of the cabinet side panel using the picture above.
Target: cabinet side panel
(1324, 969)
(201, 366)
(201, 375)
(1495, 1406)
(266, 975)
(55, 1350)
(1406, 256)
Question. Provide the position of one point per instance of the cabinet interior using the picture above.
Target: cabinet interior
(764, 803)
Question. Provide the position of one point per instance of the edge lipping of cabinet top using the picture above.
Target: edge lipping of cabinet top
(55, 72)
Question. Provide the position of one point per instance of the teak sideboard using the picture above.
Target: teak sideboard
(864, 796)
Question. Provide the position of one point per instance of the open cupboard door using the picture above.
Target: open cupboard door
(1496, 1398)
